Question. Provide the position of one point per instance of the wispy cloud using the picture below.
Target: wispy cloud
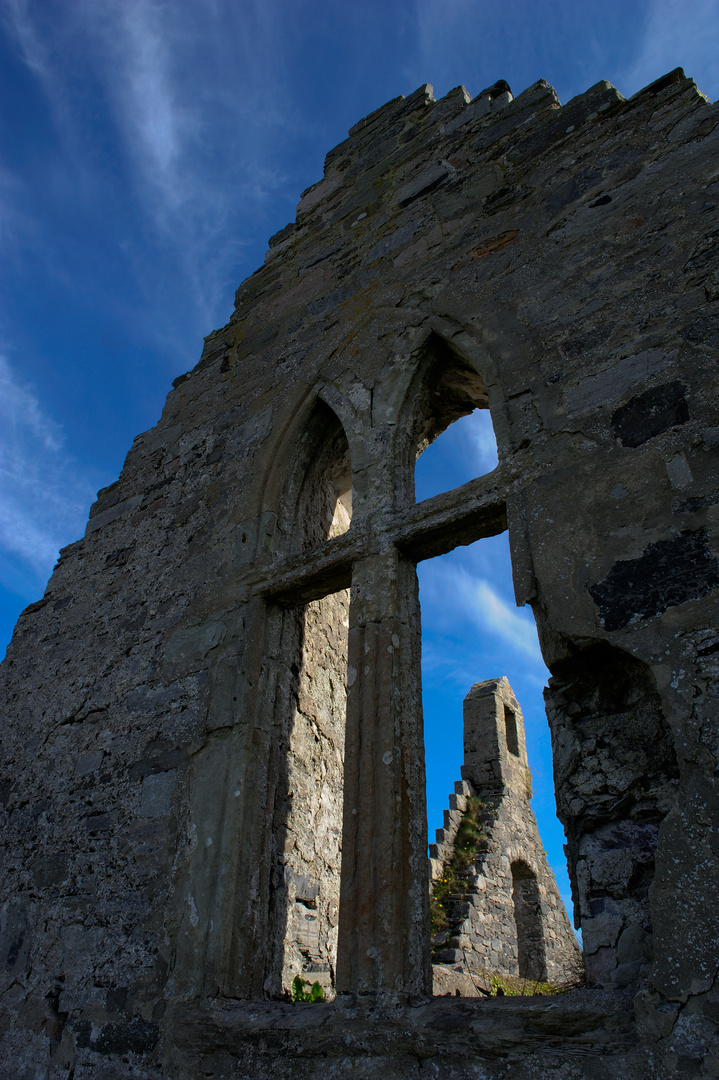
(482, 440)
(19, 18)
(678, 32)
(196, 149)
(44, 498)
(456, 600)
(495, 616)
(148, 107)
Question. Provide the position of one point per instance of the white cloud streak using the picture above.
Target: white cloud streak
(482, 440)
(494, 616)
(20, 20)
(453, 599)
(43, 498)
(198, 148)
(679, 32)
(147, 103)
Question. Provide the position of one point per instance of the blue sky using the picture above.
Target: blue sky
(149, 149)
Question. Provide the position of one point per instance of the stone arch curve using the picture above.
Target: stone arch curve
(450, 376)
(318, 431)
(229, 920)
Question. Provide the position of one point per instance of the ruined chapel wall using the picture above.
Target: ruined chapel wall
(569, 256)
(494, 938)
(512, 861)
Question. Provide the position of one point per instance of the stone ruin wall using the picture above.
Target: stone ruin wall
(625, 786)
(511, 917)
(307, 832)
(557, 265)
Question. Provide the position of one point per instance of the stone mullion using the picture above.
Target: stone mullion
(246, 946)
(384, 906)
(432, 527)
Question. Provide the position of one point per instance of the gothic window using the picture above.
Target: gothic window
(307, 842)
(510, 729)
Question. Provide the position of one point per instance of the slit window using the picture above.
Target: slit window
(510, 730)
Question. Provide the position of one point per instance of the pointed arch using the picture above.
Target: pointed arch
(447, 382)
(318, 499)
(314, 504)
(307, 492)
(263, 917)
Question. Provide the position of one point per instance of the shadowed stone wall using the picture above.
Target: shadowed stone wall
(557, 265)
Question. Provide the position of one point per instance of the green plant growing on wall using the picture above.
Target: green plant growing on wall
(467, 844)
(510, 986)
(314, 994)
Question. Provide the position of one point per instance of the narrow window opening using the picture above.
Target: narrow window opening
(477, 652)
(309, 847)
(307, 826)
(510, 731)
(531, 958)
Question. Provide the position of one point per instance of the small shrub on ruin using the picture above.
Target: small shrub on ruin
(467, 845)
(314, 994)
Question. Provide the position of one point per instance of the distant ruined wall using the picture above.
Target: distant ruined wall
(166, 702)
(510, 917)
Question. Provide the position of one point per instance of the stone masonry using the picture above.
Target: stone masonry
(213, 763)
(510, 917)
(309, 846)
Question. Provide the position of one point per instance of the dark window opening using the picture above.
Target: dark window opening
(510, 730)
(528, 918)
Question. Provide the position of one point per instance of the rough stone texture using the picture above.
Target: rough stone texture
(509, 917)
(309, 845)
(557, 265)
(585, 1035)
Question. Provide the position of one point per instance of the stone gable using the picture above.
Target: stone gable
(169, 702)
(507, 917)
